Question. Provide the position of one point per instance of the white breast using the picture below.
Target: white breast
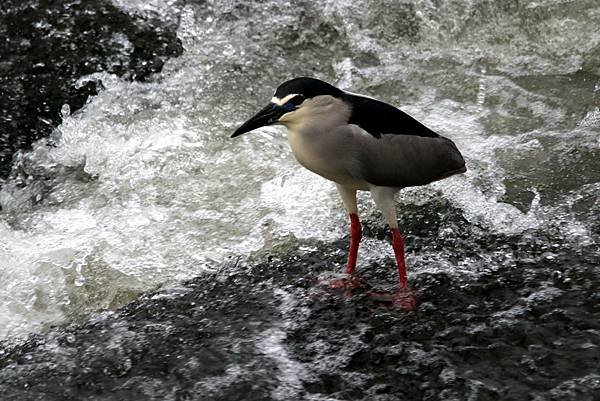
(304, 151)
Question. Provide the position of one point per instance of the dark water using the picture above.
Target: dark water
(144, 255)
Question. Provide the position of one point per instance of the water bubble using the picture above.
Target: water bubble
(79, 278)
(65, 111)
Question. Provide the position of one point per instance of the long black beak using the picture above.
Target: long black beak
(266, 116)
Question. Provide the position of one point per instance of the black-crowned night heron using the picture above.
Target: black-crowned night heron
(360, 144)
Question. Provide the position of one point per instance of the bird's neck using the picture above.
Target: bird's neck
(311, 126)
(307, 142)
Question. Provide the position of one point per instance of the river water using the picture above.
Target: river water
(142, 188)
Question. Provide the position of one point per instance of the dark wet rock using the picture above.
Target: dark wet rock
(273, 329)
(48, 45)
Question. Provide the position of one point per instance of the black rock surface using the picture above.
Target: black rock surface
(273, 329)
(47, 45)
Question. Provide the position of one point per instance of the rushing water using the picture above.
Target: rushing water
(143, 186)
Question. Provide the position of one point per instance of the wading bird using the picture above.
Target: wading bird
(359, 143)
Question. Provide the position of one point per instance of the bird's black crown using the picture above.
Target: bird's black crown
(307, 87)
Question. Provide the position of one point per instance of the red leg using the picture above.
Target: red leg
(355, 236)
(352, 282)
(398, 245)
(404, 297)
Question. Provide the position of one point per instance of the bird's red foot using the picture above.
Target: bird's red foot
(403, 298)
(347, 283)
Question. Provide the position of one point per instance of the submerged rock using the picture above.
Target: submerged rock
(273, 329)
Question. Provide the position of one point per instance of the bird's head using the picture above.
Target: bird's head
(290, 99)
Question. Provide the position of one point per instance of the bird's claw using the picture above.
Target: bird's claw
(346, 283)
(403, 298)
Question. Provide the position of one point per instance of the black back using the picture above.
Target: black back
(375, 117)
(379, 118)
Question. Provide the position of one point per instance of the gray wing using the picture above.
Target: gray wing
(403, 160)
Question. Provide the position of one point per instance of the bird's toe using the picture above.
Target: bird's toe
(346, 282)
(402, 298)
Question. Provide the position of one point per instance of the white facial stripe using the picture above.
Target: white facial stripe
(283, 101)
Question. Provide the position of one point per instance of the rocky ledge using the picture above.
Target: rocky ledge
(273, 329)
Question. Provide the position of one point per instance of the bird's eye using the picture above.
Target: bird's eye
(289, 106)
(297, 100)
(293, 103)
